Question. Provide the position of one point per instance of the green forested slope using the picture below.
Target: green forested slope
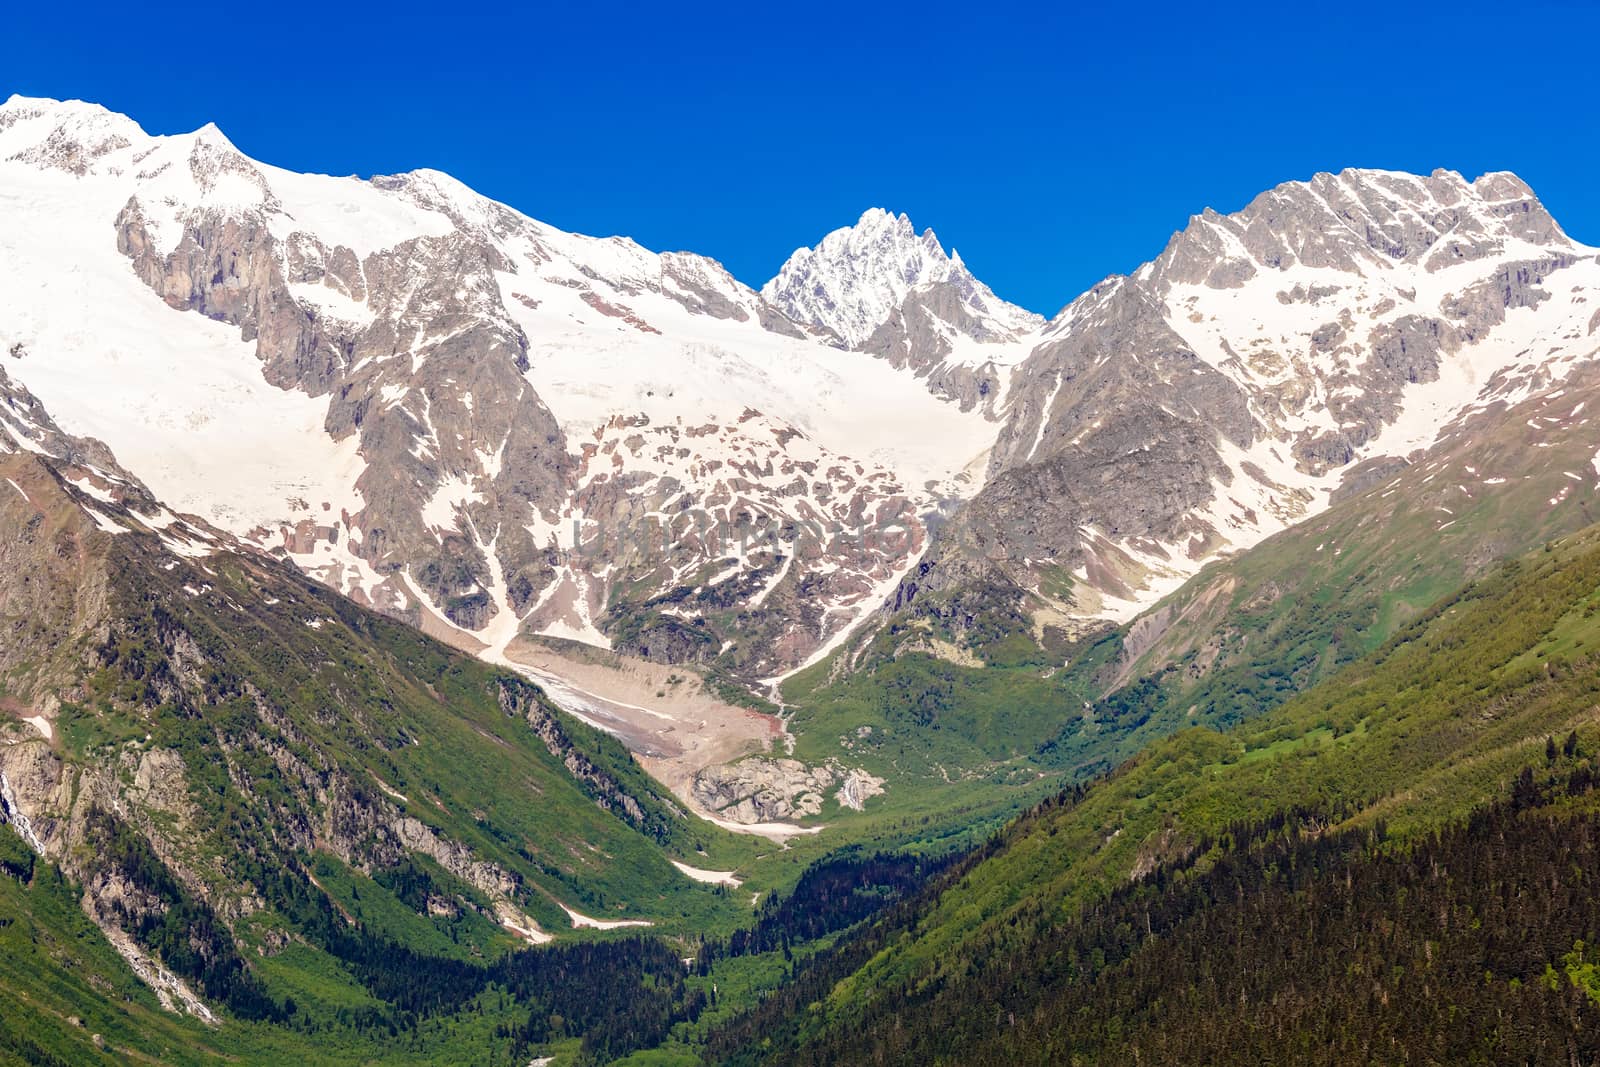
(1123, 883)
(315, 817)
(329, 827)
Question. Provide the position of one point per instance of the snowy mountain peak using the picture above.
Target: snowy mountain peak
(212, 136)
(877, 226)
(18, 106)
(64, 135)
(456, 413)
(1363, 222)
(858, 276)
(1273, 357)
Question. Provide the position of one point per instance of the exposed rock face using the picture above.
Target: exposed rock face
(25, 426)
(1222, 391)
(738, 558)
(884, 290)
(431, 378)
(605, 790)
(760, 789)
(53, 579)
(529, 430)
(134, 616)
(505, 404)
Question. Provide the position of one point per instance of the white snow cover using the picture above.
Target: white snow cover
(180, 400)
(602, 924)
(520, 924)
(617, 331)
(857, 275)
(614, 330)
(726, 878)
(1259, 332)
(836, 398)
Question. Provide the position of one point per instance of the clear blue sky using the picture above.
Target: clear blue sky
(1051, 146)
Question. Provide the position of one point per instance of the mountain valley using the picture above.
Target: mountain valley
(431, 635)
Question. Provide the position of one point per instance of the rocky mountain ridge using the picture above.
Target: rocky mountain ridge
(1226, 389)
(489, 427)
(415, 336)
(883, 289)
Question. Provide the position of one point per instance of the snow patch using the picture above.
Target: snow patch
(726, 878)
(579, 920)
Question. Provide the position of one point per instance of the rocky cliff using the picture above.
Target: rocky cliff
(1226, 389)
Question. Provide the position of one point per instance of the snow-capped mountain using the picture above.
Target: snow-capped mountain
(857, 276)
(456, 413)
(882, 289)
(1264, 361)
(470, 419)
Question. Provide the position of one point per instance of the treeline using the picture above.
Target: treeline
(625, 995)
(617, 996)
(832, 894)
(1276, 943)
(774, 1026)
(621, 996)
(181, 930)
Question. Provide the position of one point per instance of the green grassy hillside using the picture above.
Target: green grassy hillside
(331, 829)
(1436, 725)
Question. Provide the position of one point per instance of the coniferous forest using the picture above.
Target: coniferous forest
(1473, 945)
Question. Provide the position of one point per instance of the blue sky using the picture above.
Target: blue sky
(1051, 146)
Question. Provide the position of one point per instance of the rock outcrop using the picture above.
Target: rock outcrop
(1224, 390)
(763, 789)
